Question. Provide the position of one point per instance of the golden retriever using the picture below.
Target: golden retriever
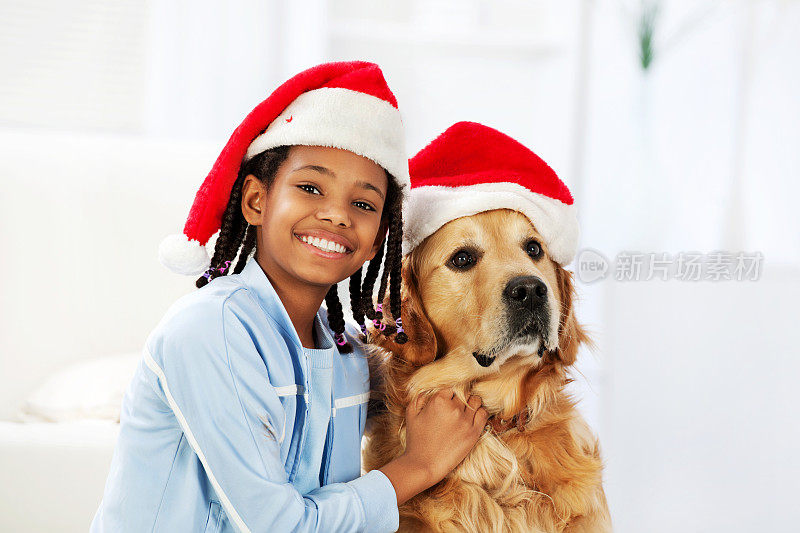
(487, 312)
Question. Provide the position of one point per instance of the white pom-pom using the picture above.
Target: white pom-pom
(182, 256)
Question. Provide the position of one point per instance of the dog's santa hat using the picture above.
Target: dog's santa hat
(472, 168)
(344, 105)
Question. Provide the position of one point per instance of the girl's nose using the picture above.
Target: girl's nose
(334, 213)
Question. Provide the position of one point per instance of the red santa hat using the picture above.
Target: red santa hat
(344, 105)
(472, 168)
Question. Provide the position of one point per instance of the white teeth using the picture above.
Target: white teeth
(322, 244)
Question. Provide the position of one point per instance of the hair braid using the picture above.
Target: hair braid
(390, 253)
(393, 266)
(336, 319)
(369, 282)
(229, 235)
(355, 295)
(233, 227)
(387, 267)
(395, 250)
(247, 248)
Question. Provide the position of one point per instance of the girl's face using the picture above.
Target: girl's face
(320, 220)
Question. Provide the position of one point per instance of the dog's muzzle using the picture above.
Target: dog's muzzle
(528, 316)
(527, 309)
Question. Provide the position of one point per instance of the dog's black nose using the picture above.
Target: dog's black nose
(527, 292)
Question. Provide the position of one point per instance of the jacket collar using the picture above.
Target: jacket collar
(257, 281)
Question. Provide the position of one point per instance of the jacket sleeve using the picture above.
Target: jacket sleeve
(212, 377)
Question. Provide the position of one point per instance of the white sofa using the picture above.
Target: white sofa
(81, 218)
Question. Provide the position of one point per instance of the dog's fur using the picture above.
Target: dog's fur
(544, 476)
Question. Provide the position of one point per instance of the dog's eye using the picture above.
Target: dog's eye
(533, 249)
(462, 260)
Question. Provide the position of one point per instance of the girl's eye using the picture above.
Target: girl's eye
(309, 188)
(462, 260)
(364, 205)
(533, 249)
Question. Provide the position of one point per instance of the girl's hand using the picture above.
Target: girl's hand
(439, 434)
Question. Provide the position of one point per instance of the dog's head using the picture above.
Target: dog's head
(484, 288)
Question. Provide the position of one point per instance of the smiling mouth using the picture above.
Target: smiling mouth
(329, 248)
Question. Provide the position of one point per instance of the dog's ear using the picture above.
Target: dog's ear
(421, 346)
(570, 333)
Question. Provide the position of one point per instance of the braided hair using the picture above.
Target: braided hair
(236, 236)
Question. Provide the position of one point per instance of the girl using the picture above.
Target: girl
(246, 413)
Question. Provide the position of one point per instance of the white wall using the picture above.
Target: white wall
(701, 409)
(697, 405)
(664, 151)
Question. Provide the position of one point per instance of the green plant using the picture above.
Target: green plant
(646, 27)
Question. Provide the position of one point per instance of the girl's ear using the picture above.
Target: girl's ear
(570, 333)
(421, 346)
(252, 199)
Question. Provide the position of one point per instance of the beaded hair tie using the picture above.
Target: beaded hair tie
(222, 270)
(377, 322)
(400, 337)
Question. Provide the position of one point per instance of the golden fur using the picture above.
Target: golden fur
(546, 478)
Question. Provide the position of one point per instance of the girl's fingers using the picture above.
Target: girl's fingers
(481, 417)
(418, 404)
(412, 409)
(474, 402)
(447, 394)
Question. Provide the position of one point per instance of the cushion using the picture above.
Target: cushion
(88, 390)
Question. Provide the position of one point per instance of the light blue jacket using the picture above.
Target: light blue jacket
(215, 425)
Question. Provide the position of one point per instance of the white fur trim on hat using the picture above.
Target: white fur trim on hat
(341, 118)
(431, 207)
(182, 256)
